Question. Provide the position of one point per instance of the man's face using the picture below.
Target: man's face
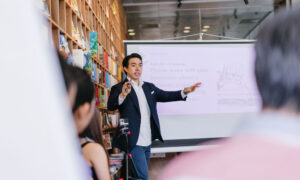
(135, 68)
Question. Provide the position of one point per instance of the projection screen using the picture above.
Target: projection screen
(228, 91)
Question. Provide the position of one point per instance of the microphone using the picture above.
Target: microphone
(128, 85)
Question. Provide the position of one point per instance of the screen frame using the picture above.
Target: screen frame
(167, 146)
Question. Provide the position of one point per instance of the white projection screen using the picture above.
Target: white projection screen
(228, 91)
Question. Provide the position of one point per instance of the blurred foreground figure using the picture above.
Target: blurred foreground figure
(266, 146)
(37, 133)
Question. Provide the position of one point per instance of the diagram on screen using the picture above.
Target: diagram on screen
(232, 78)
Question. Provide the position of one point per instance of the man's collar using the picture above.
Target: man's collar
(141, 81)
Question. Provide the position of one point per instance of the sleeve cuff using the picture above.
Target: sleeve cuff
(121, 100)
(182, 95)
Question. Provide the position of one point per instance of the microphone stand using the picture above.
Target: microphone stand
(128, 157)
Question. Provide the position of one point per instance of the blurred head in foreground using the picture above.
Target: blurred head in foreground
(80, 93)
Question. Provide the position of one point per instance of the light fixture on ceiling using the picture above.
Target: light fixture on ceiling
(186, 31)
(131, 34)
(130, 30)
(206, 26)
(204, 30)
(187, 27)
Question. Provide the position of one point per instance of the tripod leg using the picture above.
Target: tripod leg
(127, 167)
(134, 173)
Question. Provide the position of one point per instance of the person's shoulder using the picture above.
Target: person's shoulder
(189, 163)
(119, 85)
(148, 83)
(95, 148)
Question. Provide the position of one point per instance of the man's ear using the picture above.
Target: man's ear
(125, 69)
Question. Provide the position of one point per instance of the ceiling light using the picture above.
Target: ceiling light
(204, 30)
(186, 31)
(206, 27)
(130, 30)
(131, 34)
(187, 27)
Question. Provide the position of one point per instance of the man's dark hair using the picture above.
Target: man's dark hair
(277, 64)
(127, 58)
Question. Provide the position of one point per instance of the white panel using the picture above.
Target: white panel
(228, 91)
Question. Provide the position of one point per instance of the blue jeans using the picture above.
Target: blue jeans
(141, 158)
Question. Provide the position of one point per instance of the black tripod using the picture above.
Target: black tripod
(128, 158)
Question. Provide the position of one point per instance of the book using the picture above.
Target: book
(109, 63)
(105, 97)
(114, 120)
(103, 78)
(115, 68)
(106, 123)
(100, 54)
(94, 44)
(98, 75)
(114, 8)
(64, 49)
(107, 81)
(97, 97)
(105, 59)
(119, 74)
(44, 7)
(74, 31)
(79, 58)
(75, 6)
(88, 61)
(102, 98)
(63, 46)
(107, 141)
(94, 72)
(82, 40)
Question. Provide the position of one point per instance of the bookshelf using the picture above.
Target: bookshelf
(90, 34)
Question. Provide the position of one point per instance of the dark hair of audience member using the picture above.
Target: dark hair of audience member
(67, 71)
(94, 131)
(85, 87)
(277, 62)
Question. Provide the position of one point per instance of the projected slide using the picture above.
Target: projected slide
(228, 79)
(228, 91)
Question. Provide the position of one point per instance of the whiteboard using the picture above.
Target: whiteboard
(228, 91)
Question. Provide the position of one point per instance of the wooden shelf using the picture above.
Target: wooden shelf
(95, 16)
(103, 108)
(109, 129)
(100, 85)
